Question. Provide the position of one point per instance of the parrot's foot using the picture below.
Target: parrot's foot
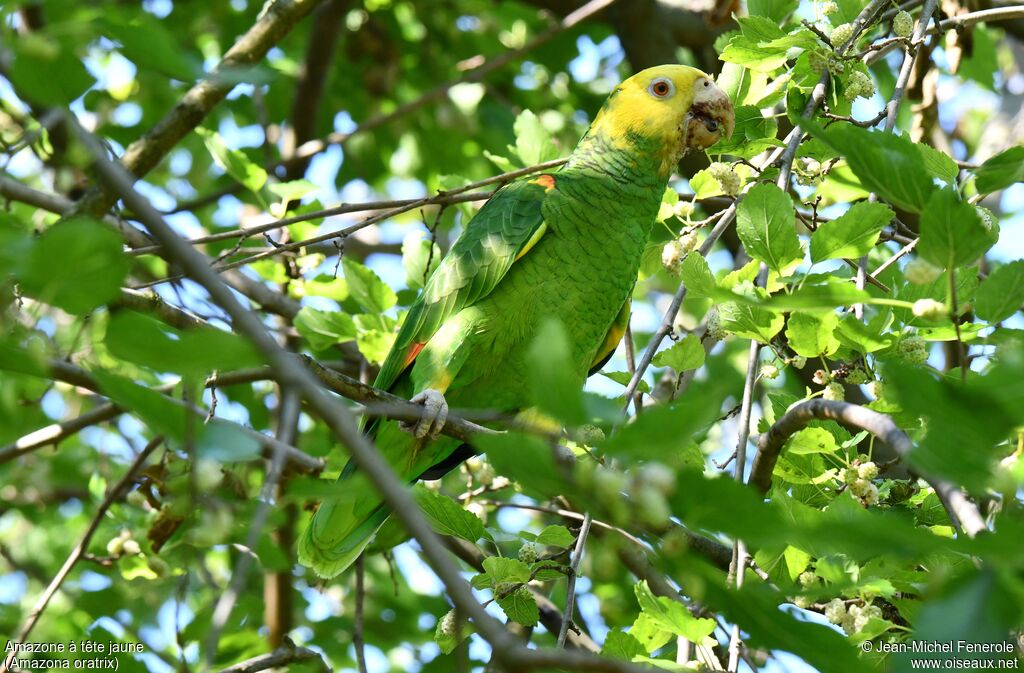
(435, 413)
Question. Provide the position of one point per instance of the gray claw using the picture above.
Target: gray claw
(435, 413)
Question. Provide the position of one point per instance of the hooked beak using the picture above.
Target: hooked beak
(710, 117)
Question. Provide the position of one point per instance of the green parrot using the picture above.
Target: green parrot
(564, 245)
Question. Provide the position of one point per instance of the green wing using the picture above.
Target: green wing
(504, 229)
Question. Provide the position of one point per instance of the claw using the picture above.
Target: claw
(435, 413)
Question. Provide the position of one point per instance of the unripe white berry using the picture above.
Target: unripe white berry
(728, 179)
(841, 34)
(589, 434)
(807, 578)
(208, 474)
(714, 325)
(477, 510)
(821, 377)
(769, 371)
(136, 499)
(850, 475)
(903, 24)
(684, 209)
(672, 257)
(473, 464)
(817, 61)
(921, 272)
(116, 546)
(857, 376)
(485, 475)
(829, 8)
(447, 626)
(131, 548)
(835, 611)
(652, 508)
(877, 389)
(929, 309)
(798, 361)
(860, 486)
(834, 391)
(867, 470)
(687, 242)
(609, 484)
(870, 495)
(528, 552)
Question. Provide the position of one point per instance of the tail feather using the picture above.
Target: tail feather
(342, 527)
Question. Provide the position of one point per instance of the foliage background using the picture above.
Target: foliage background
(392, 88)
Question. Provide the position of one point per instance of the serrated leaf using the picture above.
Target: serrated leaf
(367, 288)
(1001, 294)
(686, 354)
(447, 517)
(939, 164)
(1000, 171)
(811, 440)
(621, 645)
(323, 329)
(853, 234)
(623, 378)
(952, 232)
(520, 607)
(811, 335)
(766, 224)
(556, 536)
(501, 570)
(671, 615)
(697, 277)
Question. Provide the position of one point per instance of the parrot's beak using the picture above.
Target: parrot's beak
(710, 117)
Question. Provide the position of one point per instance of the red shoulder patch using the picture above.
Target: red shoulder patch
(414, 350)
(546, 181)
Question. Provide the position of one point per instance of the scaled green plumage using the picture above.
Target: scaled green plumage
(566, 246)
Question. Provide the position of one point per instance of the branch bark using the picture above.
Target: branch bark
(288, 653)
(960, 509)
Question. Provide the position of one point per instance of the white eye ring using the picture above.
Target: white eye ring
(662, 87)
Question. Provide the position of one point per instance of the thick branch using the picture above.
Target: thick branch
(770, 445)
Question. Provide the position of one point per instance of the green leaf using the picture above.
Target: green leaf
(234, 162)
(776, 10)
(671, 615)
(1001, 294)
(851, 235)
(766, 224)
(749, 320)
(556, 536)
(500, 570)
(77, 265)
(46, 70)
(1001, 171)
(749, 48)
(323, 329)
(684, 355)
(833, 294)
(812, 335)
(521, 607)
(196, 352)
(147, 43)
(811, 440)
(367, 288)
(416, 251)
(621, 645)
(952, 232)
(533, 142)
(939, 164)
(556, 388)
(886, 163)
(623, 378)
(697, 277)
(447, 517)
(449, 641)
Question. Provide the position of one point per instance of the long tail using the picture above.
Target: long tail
(342, 526)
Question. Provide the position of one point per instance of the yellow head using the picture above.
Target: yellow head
(672, 108)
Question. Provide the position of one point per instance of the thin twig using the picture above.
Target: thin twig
(570, 588)
(287, 653)
(114, 495)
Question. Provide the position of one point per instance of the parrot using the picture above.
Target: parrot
(564, 245)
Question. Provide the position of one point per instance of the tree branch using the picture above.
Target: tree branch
(288, 653)
(770, 445)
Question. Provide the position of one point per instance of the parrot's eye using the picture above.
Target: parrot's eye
(662, 88)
